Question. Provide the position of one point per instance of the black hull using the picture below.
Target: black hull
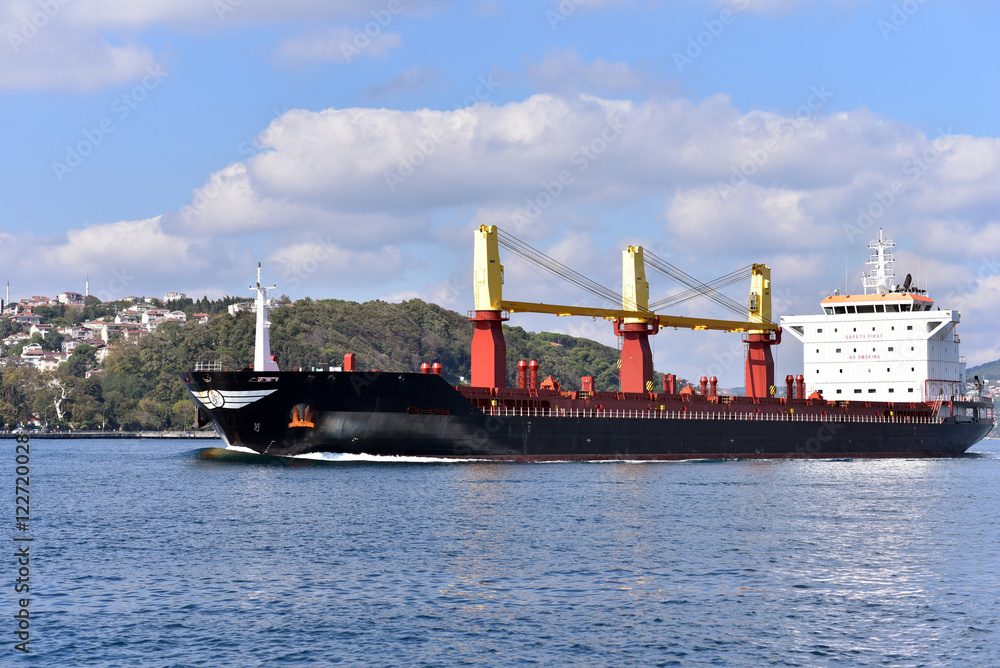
(420, 415)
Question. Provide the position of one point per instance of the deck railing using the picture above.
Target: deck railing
(506, 411)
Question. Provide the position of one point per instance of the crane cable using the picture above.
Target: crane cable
(696, 287)
(540, 259)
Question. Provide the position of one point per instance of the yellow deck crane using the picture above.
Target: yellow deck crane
(634, 322)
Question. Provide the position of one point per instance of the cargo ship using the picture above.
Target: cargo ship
(882, 377)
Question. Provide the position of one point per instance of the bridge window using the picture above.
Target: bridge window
(866, 308)
(828, 310)
(879, 308)
(840, 310)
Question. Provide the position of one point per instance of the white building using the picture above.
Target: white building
(70, 298)
(889, 344)
(171, 296)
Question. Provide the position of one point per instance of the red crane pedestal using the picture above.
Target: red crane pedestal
(489, 350)
(760, 364)
(636, 373)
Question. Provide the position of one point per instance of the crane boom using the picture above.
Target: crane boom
(616, 314)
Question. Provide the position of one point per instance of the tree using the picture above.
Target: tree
(84, 357)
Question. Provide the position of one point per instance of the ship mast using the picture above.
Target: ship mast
(262, 343)
(878, 279)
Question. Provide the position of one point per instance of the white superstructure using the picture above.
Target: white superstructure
(888, 344)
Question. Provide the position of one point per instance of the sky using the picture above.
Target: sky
(352, 147)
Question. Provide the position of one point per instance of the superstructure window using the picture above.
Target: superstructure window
(838, 350)
(891, 390)
(838, 391)
(909, 327)
(819, 331)
(871, 391)
(910, 390)
(857, 391)
(890, 349)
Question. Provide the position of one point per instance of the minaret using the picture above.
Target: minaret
(88, 286)
(262, 343)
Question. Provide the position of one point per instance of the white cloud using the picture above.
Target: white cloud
(322, 262)
(43, 51)
(665, 176)
(563, 71)
(338, 44)
(87, 45)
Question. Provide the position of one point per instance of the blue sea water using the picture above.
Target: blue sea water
(169, 553)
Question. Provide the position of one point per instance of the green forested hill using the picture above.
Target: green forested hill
(399, 337)
(990, 370)
(140, 387)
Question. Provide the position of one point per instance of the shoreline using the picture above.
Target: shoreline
(199, 435)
